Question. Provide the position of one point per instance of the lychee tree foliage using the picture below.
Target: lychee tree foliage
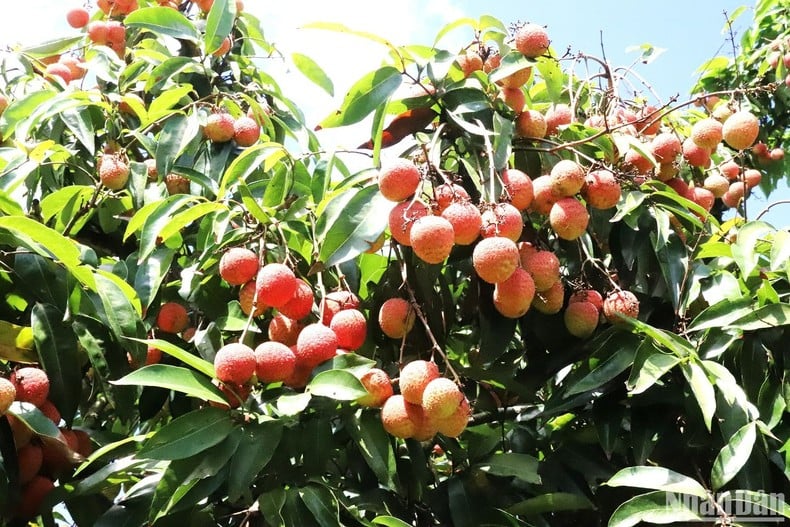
(610, 350)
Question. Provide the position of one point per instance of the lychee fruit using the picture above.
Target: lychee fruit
(399, 180)
(544, 195)
(335, 302)
(741, 130)
(97, 31)
(379, 387)
(58, 70)
(587, 295)
(398, 417)
(31, 385)
(414, 377)
(432, 238)
(495, 259)
(7, 394)
(519, 188)
(219, 127)
(707, 133)
(569, 218)
(283, 329)
(695, 155)
(247, 297)
(550, 301)
(351, 329)
(300, 376)
(234, 363)
(567, 178)
(402, 218)
(531, 124)
(581, 318)
(221, 51)
(448, 193)
(503, 219)
(601, 189)
(235, 394)
(30, 458)
(516, 79)
(276, 284)
(679, 186)
(396, 318)
(466, 221)
(469, 62)
(776, 154)
(78, 17)
(33, 496)
(316, 343)
(513, 297)
(455, 423)
(238, 265)
(246, 131)
(514, 98)
(752, 177)
(113, 171)
(274, 361)
(153, 355)
(532, 40)
(301, 303)
(75, 66)
(730, 169)
(441, 398)
(50, 411)
(176, 184)
(638, 161)
(665, 147)
(717, 184)
(620, 302)
(556, 116)
(172, 318)
(648, 123)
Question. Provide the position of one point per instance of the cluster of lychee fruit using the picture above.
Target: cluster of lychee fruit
(40, 462)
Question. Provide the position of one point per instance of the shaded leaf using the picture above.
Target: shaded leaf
(731, 459)
(522, 466)
(702, 389)
(657, 478)
(550, 502)
(256, 448)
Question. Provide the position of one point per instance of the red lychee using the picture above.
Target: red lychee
(532, 40)
(284, 330)
(717, 184)
(246, 131)
(399, 180)
(33, 496)
(30, 458)
(234, 363)
(219, 127)
(695, 155)
(513, 297)
(432, 238)
(707, 133)
(396, 318)
(351, 329)
(441, 398)
(569, 218)
(730, 169)
(550, 301)
(519, 188)
(620, 302)
(113, 171)
(176, 184)
(247, 297)
(531, 124)
(544, 267)
(276, 284)
(398, 417)
(567, 178)
(238, 265)
(469, 62)
(581, 319)
(495, 259)
(466, 221)
(77, 17)
(447, 193)
(51, 411)
(648, 122)
(335, 302)
(172, 318)
(514, 98)
(740, 130)
(752, 177)
(402, 218)
(274, 362)
(635, 159)
(665, 147)
(503, 219)
(58, 70)
(455, 423)
(301, 303)
(702, 197)
(414, 377)
(544, 195)
(316, 343)
(31, 385)
(601, 189)
(379, 387)
(587, 295)
(556, 116)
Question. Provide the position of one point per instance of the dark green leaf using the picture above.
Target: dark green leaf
(34, 419)
(550, 502)
(174, 378)
(322, 504)
(374, 445)
(606, 370)
(653, 507)
(657, 478)
(702, 389)
(522, 466)
(121, 313)
(770, 316)
(256, 448)
(150, 273)
(722, 313)
(461, 506)
(176, 134)
(733, 456)
(188, 434)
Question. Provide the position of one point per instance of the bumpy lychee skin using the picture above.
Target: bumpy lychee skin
(550, 301)
(78, 17)
(51, 411)
(301, 303)
(351, 329)
(7, 394)
(648, 122)
(730, 169)
(740, 130)
(752, 177)
(587, 295)
(379, 387)
(276, 284)
(247, 297)
(441, 398)
(514, 98)
(695, 155)
(402, 218)
(274, 361)
(569, 218)
(707, 133)
(432, 238)
(455, 423)
(531, 124)
(665, 147)
(503, 219)
(567, 177)
(581, 319)
(519, 188)
(33, 495)
(396, 318)
(219, 127)
(153, 355)
(176, 184)
(448, 193)
(31, 385)
(316, 343)
(172, 318)
(635, 160)
(337, 301)
(238, 265)
(601, 190)
(284, 330)
(516, 79)
(399, 180)
(414, 377)
(679, 186)
(234, 363)
(113, 171)
(466, 221)
(246, 131)
(30, 459)
(556, 116)
(702, 197)
(620, 303)
(469, 62)
(513, 297)
(544, 195)
(717, 184)
(532, 40)
(58, 70)
(495, 259)
(397, 417)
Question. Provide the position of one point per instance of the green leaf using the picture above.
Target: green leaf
(653, 507)
(174, 378)
(650, 371)
(51, 47)
(374, 445)
(460, 503)
(461, 22)
(310, 69)
(510, 64)
(702, 389)
(219, 24)
(256, 448)
(150, 273)
(731, 459)
(390, 521)
(522, 466)
(336, 384)
(322, 504)
(674, 343)
(183, 219)
(16, 343)
(604, 371)
(64, 204)
(292, 404)
(744, 249)
(657, 478)
(31, 416)
(367, 94)
(79, 121)
(156, 220)
(722, 313)
(176, 134)
(188, 434)
(264, 155)
(203, 366)
(59, 355)
(552, 74)
(756, 503)
(550, 502)
(164, 21)
(780, 251)
(770, 316)
(121, 313)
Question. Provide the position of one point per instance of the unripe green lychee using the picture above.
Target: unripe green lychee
(466, 221)
(569, 218)
(399, 180)
(581, 319)
(7, 394)
(519, 188)
(284, 330)
(31, 385)
(219, 127)
(248, 298)
(276, 284)
(396, 318)
(531, 124)
(246, 131)
(379, 387)
(238, 265)
(432, 238)
(531, 40)
(113, 171)
(544, 195)
(503, 219)
(414, 377)
(335, 302)
(707, 133)
(234, 363)
(550, 301)
(665, 147)
(351, 329)
(567, 178)
(274, 361)
(441, 398)
(495, 259)
(740, 130)
(544, 266)
(398, 417)
(513, 297)
(402, 218)
(301, 303)
(620, 302)
(455, 423)
(172, 318)
(316, 343)
(601, 190)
